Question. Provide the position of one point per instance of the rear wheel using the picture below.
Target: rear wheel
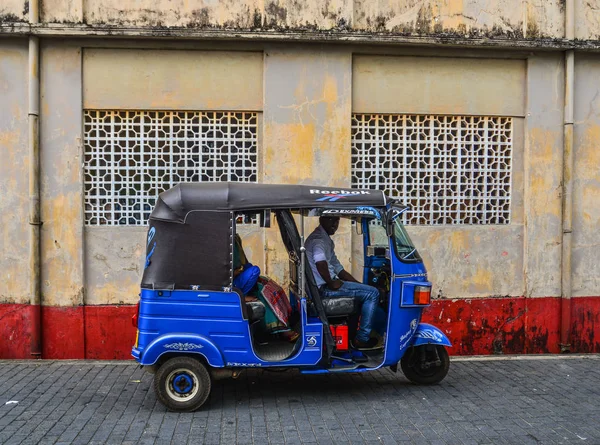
(425, 364)
(182, 384)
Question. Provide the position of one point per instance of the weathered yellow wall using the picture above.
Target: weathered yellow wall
(114, 264)
(307, 109)
(512, 18)
(543, 171)
(14, 167)
(307, 104)
(201, 13)
(586, 184)
(463, 261)
(422, 85)
(61, 189)
(145, 80)
(587, 19)
(12, 10)
(473, 18)
(62, 11)
(472, 261)
(254, 243)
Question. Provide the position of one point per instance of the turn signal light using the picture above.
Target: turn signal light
(422, 295)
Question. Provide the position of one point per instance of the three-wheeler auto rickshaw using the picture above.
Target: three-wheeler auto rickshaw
(194, 325)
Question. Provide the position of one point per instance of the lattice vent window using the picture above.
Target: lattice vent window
(448, 169)
(132, 156)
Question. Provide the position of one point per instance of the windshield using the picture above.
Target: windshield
(405, 249)
(403, 246)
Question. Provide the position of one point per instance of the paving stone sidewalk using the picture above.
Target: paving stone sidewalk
(531, 400)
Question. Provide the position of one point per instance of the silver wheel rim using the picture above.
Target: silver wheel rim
(170, 389)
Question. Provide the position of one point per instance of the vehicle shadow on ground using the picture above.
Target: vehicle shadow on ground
(269, 387)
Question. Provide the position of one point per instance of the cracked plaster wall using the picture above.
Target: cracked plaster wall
(306, 110)
(587, 19)
(543, 172)
(14, 168)
(485, 260)
(116, 79)
(13, 11)
(508, 18)
(62, 248)
(586, 174)
(475, 18)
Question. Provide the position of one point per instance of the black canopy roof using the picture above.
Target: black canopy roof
(175, 203)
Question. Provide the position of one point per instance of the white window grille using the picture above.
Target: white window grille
(448, 169)
(132, 156)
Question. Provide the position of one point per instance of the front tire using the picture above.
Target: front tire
(425, 364)
(182, 384)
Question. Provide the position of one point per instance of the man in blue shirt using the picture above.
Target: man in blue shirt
(334, 281)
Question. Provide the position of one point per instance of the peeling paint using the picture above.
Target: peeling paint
(586, 177)
(542, 176)
(587, 19)
(14, 165)
(114, 264)
(306, 134)
(479, 326)
(506, 19)
(307, 104)
(498, 325)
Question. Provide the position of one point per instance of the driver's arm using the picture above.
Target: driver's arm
(345, 276)
(339, 270)
(323, 270)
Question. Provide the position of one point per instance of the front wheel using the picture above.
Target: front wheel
(425, 364)
(182, 384)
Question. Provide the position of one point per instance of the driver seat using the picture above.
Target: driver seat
(334, 307)
(339, 306)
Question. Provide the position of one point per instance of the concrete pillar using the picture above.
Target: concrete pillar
(306, 137)
(62, 197)
(543, 170)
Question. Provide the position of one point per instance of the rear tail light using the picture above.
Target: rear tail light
(422, 295)
(134, 319)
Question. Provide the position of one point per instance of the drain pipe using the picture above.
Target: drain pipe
(34, 186)
(567, 195)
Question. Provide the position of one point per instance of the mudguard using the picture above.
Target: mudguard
(429, 334)
(184, 344)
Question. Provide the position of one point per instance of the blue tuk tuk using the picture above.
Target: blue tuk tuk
(194, 325)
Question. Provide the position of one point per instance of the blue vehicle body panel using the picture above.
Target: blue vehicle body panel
(404, 319)
(211, 324)
(429, 334)
(182, 343)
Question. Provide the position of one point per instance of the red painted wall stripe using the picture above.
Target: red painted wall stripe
(498, 325)
(477, 326)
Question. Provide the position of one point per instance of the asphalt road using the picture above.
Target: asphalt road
(497, 400)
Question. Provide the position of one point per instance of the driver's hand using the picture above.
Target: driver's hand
(335, 284)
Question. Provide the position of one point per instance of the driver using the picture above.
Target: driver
(334, 281)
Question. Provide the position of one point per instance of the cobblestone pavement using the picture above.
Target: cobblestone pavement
(543, 400)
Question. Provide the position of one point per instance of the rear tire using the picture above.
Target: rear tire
(182, 384)
(419, 364)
